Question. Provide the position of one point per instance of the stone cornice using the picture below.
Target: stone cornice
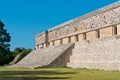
(96, 12)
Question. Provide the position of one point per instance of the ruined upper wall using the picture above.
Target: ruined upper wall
(40, 38)
(103, 17)
(100, 18)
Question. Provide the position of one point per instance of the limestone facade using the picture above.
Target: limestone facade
(91, 35)
(66, 40)
(101, 23)
(102, 54)
(94, 38)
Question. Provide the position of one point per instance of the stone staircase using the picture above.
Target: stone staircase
(16, 59)
(48, 57)
(103, 54)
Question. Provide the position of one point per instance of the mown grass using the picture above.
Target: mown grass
(56, 74)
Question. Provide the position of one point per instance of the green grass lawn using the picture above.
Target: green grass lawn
(56, 74)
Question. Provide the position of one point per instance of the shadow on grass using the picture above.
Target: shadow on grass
(33, 75)
(34, 72)
(33, 78)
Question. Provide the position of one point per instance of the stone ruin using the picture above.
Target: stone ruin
(91, 41)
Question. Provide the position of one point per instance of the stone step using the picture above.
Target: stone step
(94, 57)
(43, 57)
(98, 54)
(101, 66)
(87, 44)
(94, 48)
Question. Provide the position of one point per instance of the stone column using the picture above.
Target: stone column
(74, 38)
(81, 37)
(114, 30)
(52, 43)
(66, 40)
(58, 42)
(44, 45)
(91, 35)
(47, 44)
(105, 32)
(37, 47)
(118, 29)
(97, 34)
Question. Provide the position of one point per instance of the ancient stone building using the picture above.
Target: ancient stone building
(98, 24)
(91, 41)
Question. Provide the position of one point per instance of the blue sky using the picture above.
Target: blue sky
(26, 18)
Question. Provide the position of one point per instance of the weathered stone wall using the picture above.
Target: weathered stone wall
(101, 18)
(91, 35)
(83, 28)
(105, 32)
(103, 54)
(63, 59)
(66, 40)
(41, 40)
(58, 42)
(118, 29)
(96, 37)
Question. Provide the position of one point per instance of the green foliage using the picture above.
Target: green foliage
(6, 59)
(18, 54)
(5, 55)
(4, 41)
(25, 52)
(22, 51)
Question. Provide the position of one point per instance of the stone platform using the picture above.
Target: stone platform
(102, 54)
(91, 41)
(47, 57)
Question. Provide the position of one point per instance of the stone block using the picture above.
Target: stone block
(40, 46)
(41, 38)
(91, 35)
(81, 37)
(58, 42)
(66, 40)
(98, 54)
(105, 32)
(118, 29)
(37, 47)
(74, 39)
(52, 43)
(44, 45)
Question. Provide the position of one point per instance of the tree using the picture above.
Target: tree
(4, 40)
(21, 50)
